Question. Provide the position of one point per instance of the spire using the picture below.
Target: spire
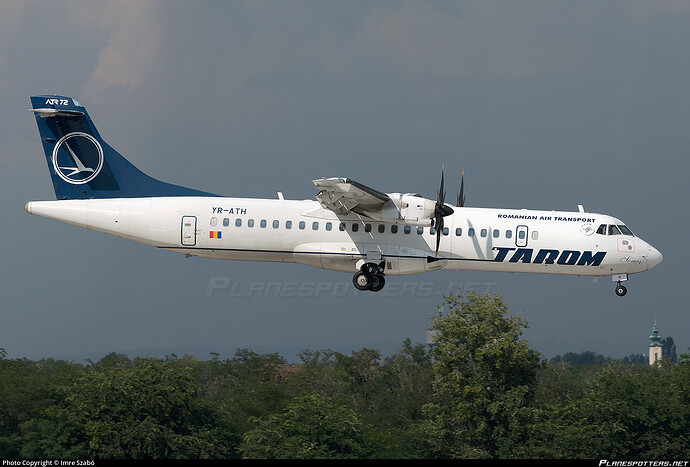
(655, 350)
(655, 338)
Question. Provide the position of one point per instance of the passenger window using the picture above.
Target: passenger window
(613, 230)
(535, 235)
(382, 228)
(250, 223)
(484, 233)
(420, 230)
(458, 232)
(470, 232)
(315, 226)
(263, 223)
(367, 227)
(509, 234)
(301, 225)
(521, 234)
(329, 226)
(341, 227)
(407, 229)
(496, 233)
(394, 229)
(276, 224)
(602, 229)
(355, 227)
(288, 225)
(214, 221)
(445, 231)
(238, 222)
(226, 222)
(432, 231)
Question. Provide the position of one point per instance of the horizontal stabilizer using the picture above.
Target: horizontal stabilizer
(57, 113)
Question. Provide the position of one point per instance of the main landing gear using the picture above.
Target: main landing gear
(370, 277)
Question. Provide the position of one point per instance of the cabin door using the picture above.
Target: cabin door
(188, 230)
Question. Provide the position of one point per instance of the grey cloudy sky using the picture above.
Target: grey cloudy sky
(544, 104)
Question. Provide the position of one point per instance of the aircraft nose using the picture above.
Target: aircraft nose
(654, 257)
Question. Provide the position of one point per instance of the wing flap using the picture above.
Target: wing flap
(343, 195)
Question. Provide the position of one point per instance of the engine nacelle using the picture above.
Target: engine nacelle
(405, 209)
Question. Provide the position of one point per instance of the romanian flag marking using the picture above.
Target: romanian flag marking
(215, 234)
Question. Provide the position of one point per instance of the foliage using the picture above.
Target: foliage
(478, 392)
(27, 388)
(668, 350)
(635, 359)
(311, 427)
(628, 413)
(145, 410)
(582, 358)
(484, 378)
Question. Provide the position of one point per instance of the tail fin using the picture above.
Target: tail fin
(82, 165)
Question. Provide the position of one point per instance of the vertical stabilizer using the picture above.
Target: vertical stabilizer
(82, 165)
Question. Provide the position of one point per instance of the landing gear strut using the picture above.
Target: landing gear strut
(369, 277)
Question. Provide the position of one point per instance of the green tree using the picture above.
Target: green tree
(248, 385)
(149, 409)
(635, 359)
(26, 389)
(628, 412)
(668, 350)
(312, 427)
(583, 358)
(484, 378)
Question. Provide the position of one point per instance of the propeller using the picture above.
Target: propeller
(461, 193)
(440, 211)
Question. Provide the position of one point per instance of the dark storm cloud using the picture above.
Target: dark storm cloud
(544, 104)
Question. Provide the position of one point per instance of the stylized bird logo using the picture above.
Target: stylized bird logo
(80, 167)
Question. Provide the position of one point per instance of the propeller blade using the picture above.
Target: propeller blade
(461, 194)
(441, 192)
(440, 210)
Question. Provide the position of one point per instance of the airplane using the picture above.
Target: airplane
(349, 227)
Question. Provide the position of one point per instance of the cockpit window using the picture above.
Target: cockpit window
(619, 229)
(625, 230)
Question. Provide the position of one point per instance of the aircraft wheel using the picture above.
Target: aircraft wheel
(378, 283)
(621, 290)
(362, 281)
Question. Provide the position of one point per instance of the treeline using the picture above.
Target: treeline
(668, 353)
(478, 392)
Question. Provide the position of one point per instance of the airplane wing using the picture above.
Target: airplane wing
(343, 195)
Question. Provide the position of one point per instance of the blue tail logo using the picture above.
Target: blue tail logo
(82, 165)
(82, 171)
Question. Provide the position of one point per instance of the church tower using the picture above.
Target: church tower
(655, 346)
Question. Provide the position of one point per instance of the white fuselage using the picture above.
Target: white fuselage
(304, 232)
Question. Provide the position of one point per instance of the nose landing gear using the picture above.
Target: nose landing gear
(370, 277)
(620, 288)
